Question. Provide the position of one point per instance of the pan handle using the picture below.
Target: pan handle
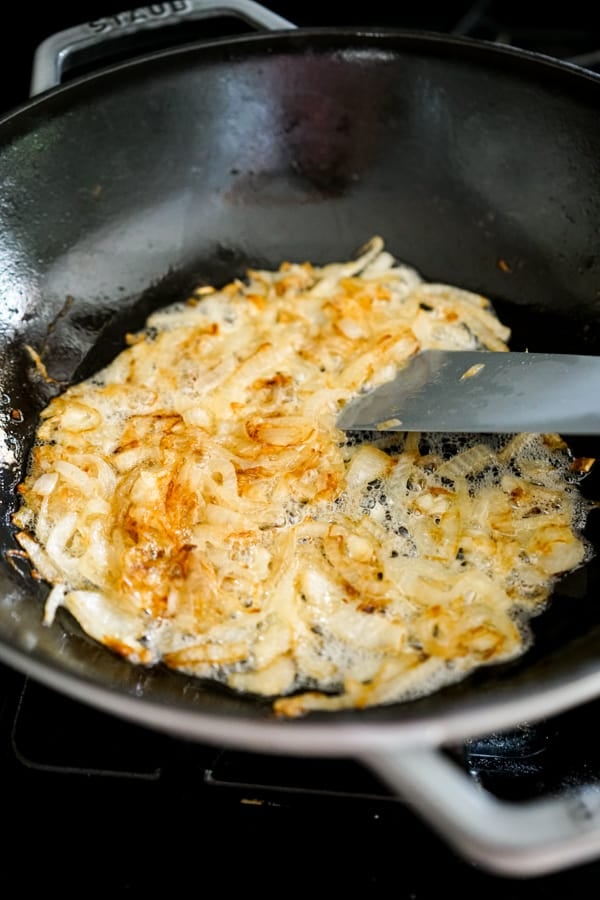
(94, 38)
(521, 838)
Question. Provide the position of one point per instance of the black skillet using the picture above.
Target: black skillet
(479, 164)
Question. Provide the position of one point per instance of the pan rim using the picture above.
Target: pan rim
(397, 39)
(326, 736)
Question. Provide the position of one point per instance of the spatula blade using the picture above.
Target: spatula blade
(484, 391)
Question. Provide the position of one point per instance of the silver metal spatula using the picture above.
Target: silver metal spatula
(484, 391)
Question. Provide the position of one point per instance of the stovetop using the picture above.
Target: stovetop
(133, 810)
(147, 809)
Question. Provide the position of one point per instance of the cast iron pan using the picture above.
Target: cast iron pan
(478, 164)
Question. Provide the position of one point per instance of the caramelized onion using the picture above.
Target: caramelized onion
(195, 504)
